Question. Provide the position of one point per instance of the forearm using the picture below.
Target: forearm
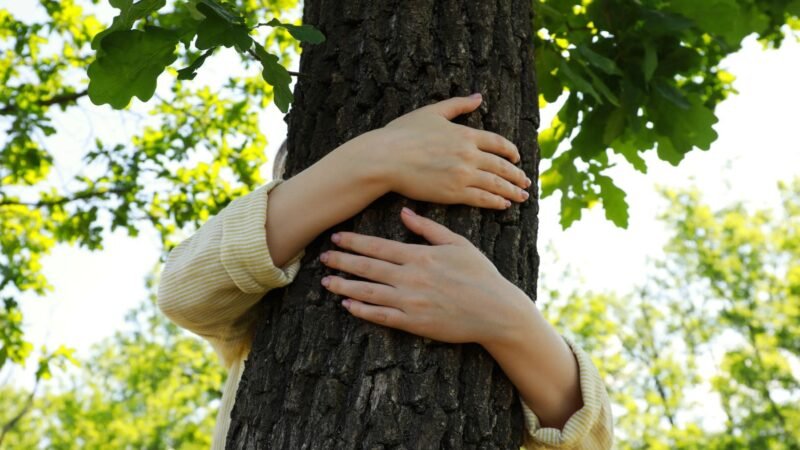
(542, 367)
(332, 190)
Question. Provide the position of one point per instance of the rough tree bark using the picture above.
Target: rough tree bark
(318, 378)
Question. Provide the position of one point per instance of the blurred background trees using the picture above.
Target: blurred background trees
(704, 354)
(150, 385)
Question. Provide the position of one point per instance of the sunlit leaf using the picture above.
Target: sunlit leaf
(130, 65)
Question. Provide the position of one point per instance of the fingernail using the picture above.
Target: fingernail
(508, 203)
(324, 257)
(408, 212)
(528, 181)
(475, 95)
(346, 304)
(326, 281)
(336, 238)
(525, 194)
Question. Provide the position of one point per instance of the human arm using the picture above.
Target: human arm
(212, 280)
(564, 400)
(420, 155)
(469, 301)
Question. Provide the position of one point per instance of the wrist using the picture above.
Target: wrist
(541, 365)
(519, 319)
(365, 163)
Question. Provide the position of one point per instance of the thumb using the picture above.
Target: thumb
(456, 106)
(433, 232)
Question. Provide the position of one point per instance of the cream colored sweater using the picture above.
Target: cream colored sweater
(213, 279)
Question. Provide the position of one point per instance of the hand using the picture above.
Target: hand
(431, 159)
(449, 291)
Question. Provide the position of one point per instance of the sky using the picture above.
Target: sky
(757, 147)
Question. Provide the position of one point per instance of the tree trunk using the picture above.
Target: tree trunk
(318, 378)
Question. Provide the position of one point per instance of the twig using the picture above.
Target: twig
(11, 423)
(60, 201)
(290, 72)
(64, 99)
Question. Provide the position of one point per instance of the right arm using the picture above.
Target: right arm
(212, 279)
(420, 155)
(329, 192)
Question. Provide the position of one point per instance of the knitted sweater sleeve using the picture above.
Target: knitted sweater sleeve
(212, 280)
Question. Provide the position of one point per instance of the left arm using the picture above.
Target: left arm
(564, 399)
(552, 389)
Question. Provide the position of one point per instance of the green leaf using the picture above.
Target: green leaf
(601, 86)
(130, 65)
(659, 23)
(218, 30)
(615, 125)
(601, 62)
(219, 10)
(189, 72)
(793, 8)
(571, 210)
(277, 76)
(549, 181)
(630, 151)
(666, 151)
(588, 143)
(723, 18)
(551, 137)
(614, 203)
(129, 13)
(684, 128)
(672, 94)
(303, 33)
(561, 174)
(650, 61)
(560, 128)
(549, 85)
(580, 83)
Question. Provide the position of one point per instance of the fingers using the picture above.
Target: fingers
(375, 247)
(499, 186)
(377, 294)
(381, 315)
(494, 143)
(485, 140)
(456, 106)
(435, 233)
(371, 269)
(500, 167)
(481, 198)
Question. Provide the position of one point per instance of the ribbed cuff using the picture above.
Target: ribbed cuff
(580, 427)
(244, 251)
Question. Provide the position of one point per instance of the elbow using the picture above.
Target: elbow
(171, 297)
(166, 300)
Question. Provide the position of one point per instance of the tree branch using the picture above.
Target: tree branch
(13, 422)
(61, 100)
(651, 346)
(85, 195)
